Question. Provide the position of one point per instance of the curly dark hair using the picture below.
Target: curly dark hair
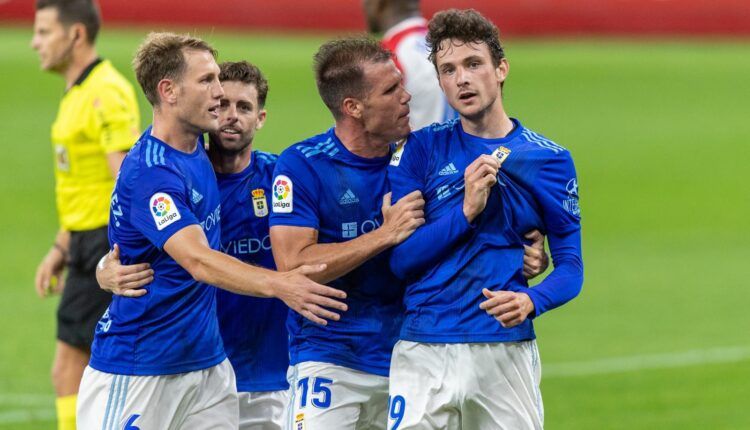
(242, 71)
(468, 26)
(338, 68)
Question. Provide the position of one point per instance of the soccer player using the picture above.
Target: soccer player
(404, 31)
(157, 360)
(455, 366)
(97, 122)
(253, 329)
(331, 204)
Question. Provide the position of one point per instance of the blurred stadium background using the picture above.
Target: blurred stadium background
(652, 98)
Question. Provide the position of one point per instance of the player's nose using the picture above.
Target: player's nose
(407, 97)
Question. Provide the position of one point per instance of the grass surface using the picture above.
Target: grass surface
(659, 131)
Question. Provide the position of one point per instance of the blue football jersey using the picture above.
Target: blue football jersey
(319, 184)
(448, 262)
(253, 328)
(173, 328)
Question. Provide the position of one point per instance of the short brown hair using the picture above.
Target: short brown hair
(242, 71)
(161, 56)
(468, 26)
(71, 12)
(338, 68)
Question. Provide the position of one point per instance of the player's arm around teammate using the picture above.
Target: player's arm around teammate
(295, 246)
(215, 268)
(189, 247)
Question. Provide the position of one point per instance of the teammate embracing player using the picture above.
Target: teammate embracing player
(455, 367)
(253, 329)
(157, 359)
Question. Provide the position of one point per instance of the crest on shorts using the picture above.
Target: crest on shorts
(260, 204)
(299, 422)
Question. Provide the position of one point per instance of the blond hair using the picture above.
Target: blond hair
(161, 56)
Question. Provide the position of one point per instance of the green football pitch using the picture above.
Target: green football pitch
(659, 337)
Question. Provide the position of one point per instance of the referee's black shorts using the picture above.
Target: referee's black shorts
(82, 302)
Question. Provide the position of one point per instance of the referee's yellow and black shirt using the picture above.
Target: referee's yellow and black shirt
(98, 115)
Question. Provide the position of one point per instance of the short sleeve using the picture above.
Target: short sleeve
(406, 171)
(160, 206)
(116, 114)
(557, 188)
(294, 193)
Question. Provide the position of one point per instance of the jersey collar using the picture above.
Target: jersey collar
(86, 72)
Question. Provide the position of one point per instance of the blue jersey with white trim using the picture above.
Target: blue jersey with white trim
(448, 262)
(319, 184)
(173, 328)
(253, 328)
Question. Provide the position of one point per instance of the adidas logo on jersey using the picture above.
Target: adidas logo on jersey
(196, 197)
(450, 169)
(348, 198)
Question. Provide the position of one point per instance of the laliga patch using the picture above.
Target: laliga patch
(501, 153)
(260, 206)
(164, 210)
(398, 153)
(299, 422)
(282, 195)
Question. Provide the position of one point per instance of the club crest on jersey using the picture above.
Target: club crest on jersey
(164, 210)
(571, 203)
(398, 153)
(283, 191)
(260, 205)
(501, 153)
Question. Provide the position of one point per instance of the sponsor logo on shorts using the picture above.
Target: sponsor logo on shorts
(164, 210)
(260, 205)
(283, 194)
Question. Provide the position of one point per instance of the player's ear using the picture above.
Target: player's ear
(261, 119)
(501, 71)
(352, 107)
(167, 91)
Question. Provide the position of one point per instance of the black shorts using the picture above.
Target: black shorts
(82, 302)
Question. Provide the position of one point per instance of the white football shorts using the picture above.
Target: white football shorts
(327, 397)
(195, 400)
(267, 410)
(469, 386)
